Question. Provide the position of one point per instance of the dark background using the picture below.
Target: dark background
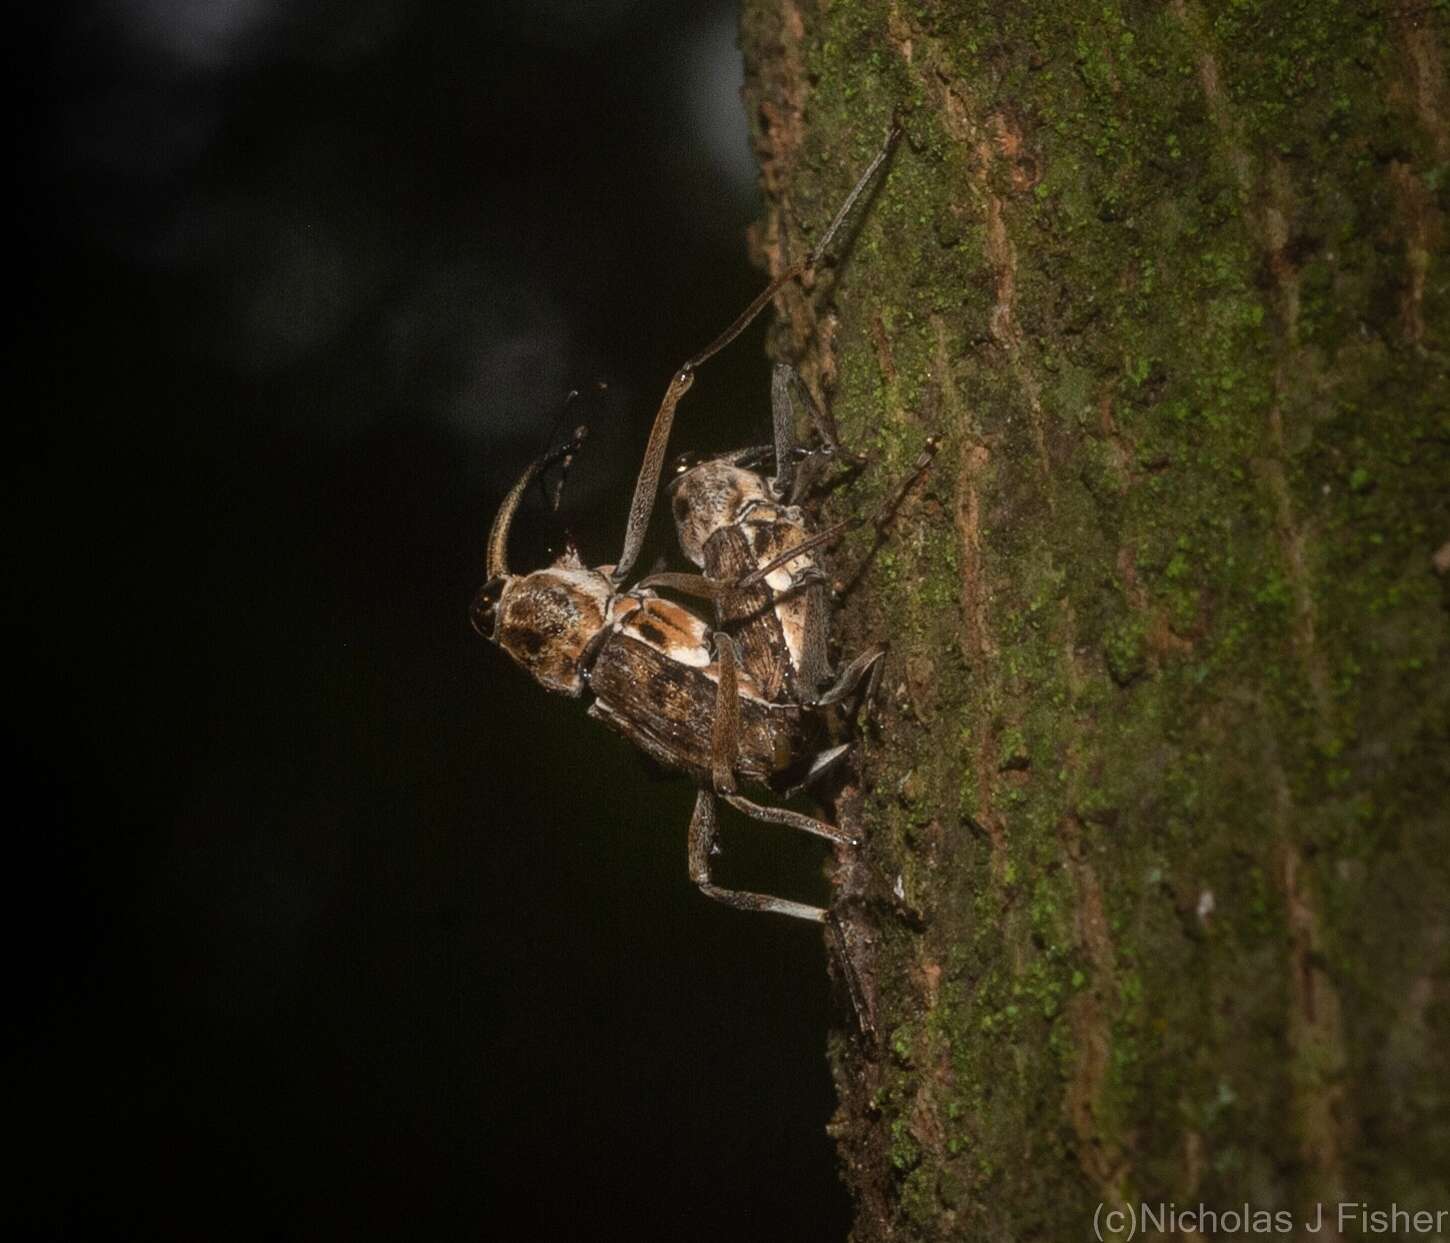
(323, 921)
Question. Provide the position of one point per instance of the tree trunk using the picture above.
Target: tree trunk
(1153, 908)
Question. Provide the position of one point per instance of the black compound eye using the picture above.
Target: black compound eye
(682, 464)
(483, 612)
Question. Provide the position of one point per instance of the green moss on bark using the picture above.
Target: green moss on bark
(1156, 870)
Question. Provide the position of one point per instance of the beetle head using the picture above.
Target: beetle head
(544, 620)
(707, 496)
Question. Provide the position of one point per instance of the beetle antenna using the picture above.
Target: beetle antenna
(498, 536)
(856, 192)
(554, 491)
(808, 264)
(565, 459)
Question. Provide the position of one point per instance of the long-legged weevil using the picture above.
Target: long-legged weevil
(673, 685)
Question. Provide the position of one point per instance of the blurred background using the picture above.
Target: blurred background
(323, 920)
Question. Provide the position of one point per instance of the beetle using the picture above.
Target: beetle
(751, 538)
(658, 673)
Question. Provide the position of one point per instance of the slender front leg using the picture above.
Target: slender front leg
(696, 585)
(641, 505)
(823, 764)
(851, 975)
(784, 377)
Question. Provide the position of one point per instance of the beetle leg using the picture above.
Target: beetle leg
(868, 662)
(783, 378)
(725, 734)
(724, 740)
(814, 666)
(867, 698)
(782, 418)
(860, 1003)
(810, 544)
(833, 532)
(703, 826)
(869, 665)
(752, 457)
(886, 513)
(791, 820)
(797, 468)
(697, 585)
(822, 764)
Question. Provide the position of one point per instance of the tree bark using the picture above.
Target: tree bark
(1153, 908)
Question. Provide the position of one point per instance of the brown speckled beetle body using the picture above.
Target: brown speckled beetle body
(725, 703)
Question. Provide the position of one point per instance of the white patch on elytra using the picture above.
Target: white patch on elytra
(668, 629)
(793, 628)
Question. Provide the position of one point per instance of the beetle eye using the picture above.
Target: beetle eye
(483, 612)
(685, 462)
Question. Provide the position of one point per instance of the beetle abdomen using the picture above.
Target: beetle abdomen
(780, 622)
(750, 614)
(667, 709)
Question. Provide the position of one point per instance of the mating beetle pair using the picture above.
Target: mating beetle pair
(750, 697)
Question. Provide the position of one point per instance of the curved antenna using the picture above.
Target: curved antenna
(498, 535)
(808, 264)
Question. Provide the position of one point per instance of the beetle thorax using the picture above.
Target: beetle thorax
(546, 620)
(712, 495)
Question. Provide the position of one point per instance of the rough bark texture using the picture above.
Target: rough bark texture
(1157, 874)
